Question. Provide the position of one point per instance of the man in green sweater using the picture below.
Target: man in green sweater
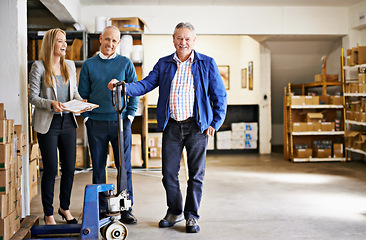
(101, 123)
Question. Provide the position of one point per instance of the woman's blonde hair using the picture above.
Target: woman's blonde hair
(46, 55)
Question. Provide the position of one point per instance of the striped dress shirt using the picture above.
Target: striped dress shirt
(181, 100)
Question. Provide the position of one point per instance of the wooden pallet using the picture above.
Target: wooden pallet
(25, 227)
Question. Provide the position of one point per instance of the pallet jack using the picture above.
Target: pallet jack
(93, 227)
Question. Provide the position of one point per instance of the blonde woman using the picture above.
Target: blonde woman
(53, 82)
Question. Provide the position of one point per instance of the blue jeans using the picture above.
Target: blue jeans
(100, 133)
(176, 136)
(61, 136)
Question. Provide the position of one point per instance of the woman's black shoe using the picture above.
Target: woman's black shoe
(72, 221)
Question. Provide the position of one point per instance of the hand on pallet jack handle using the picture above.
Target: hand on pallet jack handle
(114, 82)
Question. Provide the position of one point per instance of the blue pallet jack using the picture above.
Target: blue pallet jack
(93, 227)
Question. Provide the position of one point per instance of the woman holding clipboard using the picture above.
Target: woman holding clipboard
(53, 82)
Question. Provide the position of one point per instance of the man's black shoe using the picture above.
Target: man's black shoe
(170, 219)
(127, 217)
(192, 226)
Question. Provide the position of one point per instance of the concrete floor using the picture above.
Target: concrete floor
(251, 196)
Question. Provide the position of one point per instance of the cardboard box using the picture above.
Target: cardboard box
(155, 152)
(10, 128)
(237, 135)
(362, 78)
(4, 205)
(136, 151)
(3, 131)
(251, 127)
(238, 144)
(250, 144)
(314, 126)
(129, 24)
(361, 54)
(34, 152)
(79, 163)
(314, 117)
(311, 100)
(338, 150)
(2, 111)
(329, 78)
(238, 126)
(300, 127)
(350, 137)
(336, 100)
(354, 56)
(5, 181)
(33, 179)
(297, 100)
(9, 226)
(251, 136)
(223, 144)
(211, 143)
(303, 153)
(362, 87)
(327, 126)
(5, 155)
(155, 140)
(223, 135)
(351, 73)
(322, 153)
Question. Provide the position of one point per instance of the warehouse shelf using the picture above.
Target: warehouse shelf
(319, 159)
(317, 133)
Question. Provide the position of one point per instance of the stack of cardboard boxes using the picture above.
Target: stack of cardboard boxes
(243, 135)
(12, 147)
(356, 56)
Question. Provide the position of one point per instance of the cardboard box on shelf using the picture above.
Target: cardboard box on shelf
(155, 139)
(34, 152)
(322, 153)
(79, 163)
(336, 100)
(362, 77)
(351, 73)
(251, 136)
(361, 54)
(297, 100)
(303, 153)
(329, 78)
(154, 152)
(311, 100)
(338, 150)
(136, 151)
(354, 56)
(314, 117)
(362, 87)
(327, 126)
(314, 126)
(74, 52)
(129, 24)
(4, 205)
(299, 127)
(350, 137)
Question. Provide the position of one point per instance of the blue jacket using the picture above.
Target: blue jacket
(210, 94)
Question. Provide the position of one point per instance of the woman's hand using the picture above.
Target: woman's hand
(112, 83)
(57, 106)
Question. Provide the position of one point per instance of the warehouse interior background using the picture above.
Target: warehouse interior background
(285, 39)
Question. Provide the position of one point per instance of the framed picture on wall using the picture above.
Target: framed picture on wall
(244, 74)
(225, 74)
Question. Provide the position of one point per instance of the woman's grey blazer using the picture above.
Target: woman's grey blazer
(41, 96)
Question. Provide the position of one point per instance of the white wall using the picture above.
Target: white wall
(228, 19)
(13, 74)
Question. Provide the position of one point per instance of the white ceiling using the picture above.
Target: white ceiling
(278, 3)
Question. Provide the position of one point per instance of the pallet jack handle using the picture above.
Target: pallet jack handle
(119, 104)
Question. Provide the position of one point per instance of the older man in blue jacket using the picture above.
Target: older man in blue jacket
(191, 107)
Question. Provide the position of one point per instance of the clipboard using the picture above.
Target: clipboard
(78, 106)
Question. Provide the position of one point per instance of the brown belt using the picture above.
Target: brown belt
(191, 119)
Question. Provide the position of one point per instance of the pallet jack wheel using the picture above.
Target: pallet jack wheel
(115, 230)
